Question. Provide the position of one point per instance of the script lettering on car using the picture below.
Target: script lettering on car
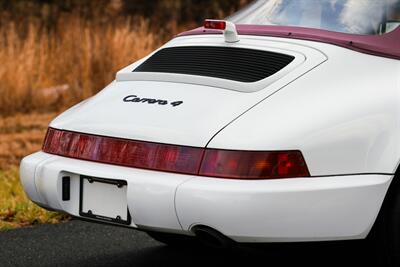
(152, 101)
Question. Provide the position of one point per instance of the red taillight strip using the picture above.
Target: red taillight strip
(123, 152)
(179, 159)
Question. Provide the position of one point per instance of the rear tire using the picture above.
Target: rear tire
(384, 239)
(174, 240)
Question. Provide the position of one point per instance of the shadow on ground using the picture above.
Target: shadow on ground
(79, 243)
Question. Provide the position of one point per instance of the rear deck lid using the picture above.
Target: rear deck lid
(185, 108)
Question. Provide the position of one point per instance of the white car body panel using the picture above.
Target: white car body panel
(188, 124)
(299, 209)
(345, 124)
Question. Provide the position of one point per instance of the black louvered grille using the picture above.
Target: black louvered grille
(237, 64)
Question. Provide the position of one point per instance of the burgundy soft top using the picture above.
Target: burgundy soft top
(386, 45)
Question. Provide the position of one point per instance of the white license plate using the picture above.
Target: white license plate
(104, 199)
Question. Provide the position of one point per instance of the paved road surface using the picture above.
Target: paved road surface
(79, 243)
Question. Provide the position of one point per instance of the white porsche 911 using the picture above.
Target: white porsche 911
(279, 124)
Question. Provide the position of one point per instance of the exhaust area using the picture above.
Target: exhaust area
(212, 238)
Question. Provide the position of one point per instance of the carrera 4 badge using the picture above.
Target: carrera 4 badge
(136, 99)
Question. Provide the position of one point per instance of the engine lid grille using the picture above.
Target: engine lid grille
(236, 64)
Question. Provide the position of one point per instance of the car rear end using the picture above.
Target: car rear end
(159, 149)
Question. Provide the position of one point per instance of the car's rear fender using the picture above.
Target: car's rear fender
(343, 116)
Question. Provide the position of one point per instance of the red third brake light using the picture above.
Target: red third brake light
(215, 24)
(230, 164)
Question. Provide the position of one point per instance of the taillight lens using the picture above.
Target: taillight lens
(253, 164)
(123, 152)
(179, 159)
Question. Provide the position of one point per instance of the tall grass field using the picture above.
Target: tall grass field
(41, 70)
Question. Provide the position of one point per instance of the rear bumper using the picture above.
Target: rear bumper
(288, 210)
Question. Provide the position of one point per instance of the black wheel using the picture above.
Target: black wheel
(384, 239)
(175, 240)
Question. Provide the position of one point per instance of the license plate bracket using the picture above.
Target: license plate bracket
(104, 200)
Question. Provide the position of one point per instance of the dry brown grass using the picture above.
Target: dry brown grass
(80, 56)
(21, 135)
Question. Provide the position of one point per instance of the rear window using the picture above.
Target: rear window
(366, 17)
